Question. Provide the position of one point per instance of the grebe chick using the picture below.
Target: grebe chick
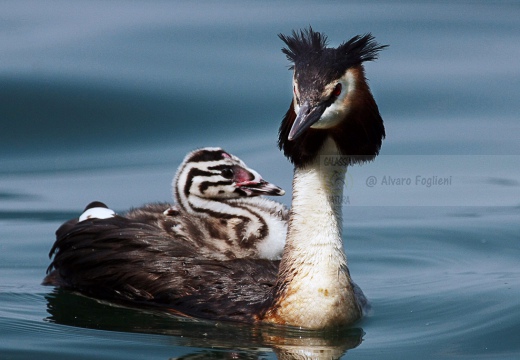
(332, 114)
(218, 208)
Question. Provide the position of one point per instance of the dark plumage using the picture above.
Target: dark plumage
(91, 257)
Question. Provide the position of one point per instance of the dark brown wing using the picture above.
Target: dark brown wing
(129, 261)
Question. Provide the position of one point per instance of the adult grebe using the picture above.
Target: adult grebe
(333, 121)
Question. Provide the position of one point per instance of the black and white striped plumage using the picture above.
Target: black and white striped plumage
(218, 208)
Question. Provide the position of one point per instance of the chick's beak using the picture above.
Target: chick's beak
(262, 187)
(252, 184)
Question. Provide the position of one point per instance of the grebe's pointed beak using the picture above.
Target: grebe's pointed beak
(306, 117)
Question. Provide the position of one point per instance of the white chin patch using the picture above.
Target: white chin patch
(97, 213)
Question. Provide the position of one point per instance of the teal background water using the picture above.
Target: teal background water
(101, 100)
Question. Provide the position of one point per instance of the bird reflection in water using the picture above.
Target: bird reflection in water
(221, 340)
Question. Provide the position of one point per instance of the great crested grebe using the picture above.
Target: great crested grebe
(332, 122)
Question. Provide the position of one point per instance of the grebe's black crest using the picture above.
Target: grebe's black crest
(307, 48)
(318, 74)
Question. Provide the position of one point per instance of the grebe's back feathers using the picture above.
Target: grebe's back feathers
(142, 268)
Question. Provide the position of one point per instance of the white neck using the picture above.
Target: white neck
(317, 215)
(314, 289)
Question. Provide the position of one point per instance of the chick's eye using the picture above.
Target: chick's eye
(337, 90)
(227, 173)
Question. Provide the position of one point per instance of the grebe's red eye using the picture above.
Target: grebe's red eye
(337, 90)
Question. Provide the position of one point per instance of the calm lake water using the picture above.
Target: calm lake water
(101, 101)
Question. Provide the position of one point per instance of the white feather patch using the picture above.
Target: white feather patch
(97, 213)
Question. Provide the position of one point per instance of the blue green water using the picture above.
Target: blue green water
(101, 101)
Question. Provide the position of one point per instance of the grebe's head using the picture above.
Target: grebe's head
(213, 173)
(331, 98)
